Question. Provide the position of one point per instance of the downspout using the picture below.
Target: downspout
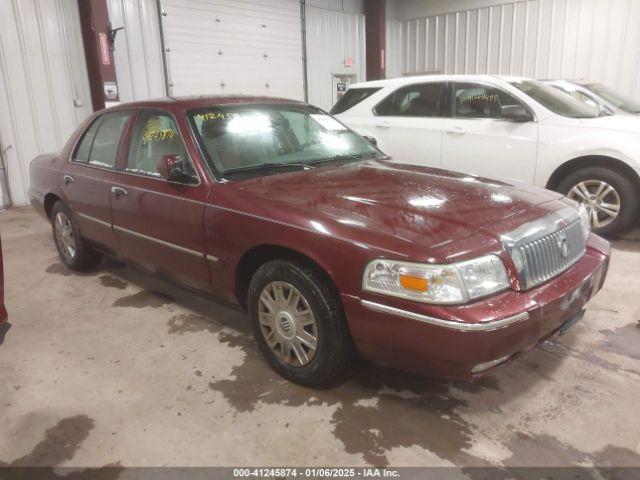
(303, 26)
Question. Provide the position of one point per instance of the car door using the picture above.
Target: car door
(408, 123)
(477, 139)
(88, 176)
(159, 223)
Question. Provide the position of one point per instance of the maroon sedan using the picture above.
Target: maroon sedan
(275, 206)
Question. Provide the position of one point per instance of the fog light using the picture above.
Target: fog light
(483, 367)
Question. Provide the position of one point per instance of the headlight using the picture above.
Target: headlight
(585, 221)
(453, 283)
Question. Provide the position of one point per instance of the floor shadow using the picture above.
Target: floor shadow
(59, 445)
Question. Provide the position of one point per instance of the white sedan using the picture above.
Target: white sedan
(509, 128)
(597, 95)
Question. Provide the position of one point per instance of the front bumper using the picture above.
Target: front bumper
(492, 331)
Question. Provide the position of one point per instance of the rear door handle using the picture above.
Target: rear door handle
(455, 130)
(383, 125)
(118, 191)
(67, 179)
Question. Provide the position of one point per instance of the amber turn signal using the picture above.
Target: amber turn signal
(414, 283)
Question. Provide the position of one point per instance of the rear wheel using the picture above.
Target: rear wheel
(299, 323)
(74, 251)
(610, 198)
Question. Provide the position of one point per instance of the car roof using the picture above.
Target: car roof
(202, 101)
(565, 80)
(411, 79)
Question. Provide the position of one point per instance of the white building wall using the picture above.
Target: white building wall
(44, 89)
(581, 39)
(332, 36)
(137, 49)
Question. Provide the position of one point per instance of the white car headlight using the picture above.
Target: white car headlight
(585, 221)
(444, 284)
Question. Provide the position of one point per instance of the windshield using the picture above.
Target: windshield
(555, 100)
(258, 139)
(616, 99)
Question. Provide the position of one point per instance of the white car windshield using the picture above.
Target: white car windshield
(556, 101)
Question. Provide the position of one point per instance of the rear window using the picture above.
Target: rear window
(351, 98)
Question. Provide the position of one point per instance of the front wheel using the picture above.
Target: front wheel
(74, 251)
(610, 198)
(299, 323)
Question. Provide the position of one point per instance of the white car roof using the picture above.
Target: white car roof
(409, 80)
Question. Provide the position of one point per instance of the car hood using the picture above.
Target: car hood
(387, 204)
(619, 121)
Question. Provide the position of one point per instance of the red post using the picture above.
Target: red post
(374, 11)
(98, 46)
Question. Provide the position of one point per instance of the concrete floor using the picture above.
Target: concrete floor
(115, 367)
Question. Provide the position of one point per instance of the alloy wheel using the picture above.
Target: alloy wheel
(64, 236)
(287, 323)
(600, 199)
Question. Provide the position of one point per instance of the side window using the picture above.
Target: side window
(105, 143)
(421, 100)
(351, 98)
(84, 148)
(480, 101)
(155, 136)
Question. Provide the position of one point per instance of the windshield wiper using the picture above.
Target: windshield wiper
(352, 156)
(267, 165)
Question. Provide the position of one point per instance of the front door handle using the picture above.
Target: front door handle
(383, 125)
(456, 130)
(67, 179)
(118, 191)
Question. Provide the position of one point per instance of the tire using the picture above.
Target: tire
(624, 192)
(276, 333)
(74, 251)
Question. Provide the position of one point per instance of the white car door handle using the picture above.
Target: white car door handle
(457, 130)
(383, 125)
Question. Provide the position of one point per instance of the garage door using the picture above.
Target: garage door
(233, 47)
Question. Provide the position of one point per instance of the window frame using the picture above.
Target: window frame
(168, 113)
(452, 102)
(444, 110)
(85, 130)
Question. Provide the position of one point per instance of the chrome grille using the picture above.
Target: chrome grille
(541, 253)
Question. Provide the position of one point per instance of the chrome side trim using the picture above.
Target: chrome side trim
(465, 327)
(213, 259)
(158, 241)
(94, 219)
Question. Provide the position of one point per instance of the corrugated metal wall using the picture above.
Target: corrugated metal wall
(332, 36)
(394, 57)
(44, 89)
(583, 39)
(137, 49)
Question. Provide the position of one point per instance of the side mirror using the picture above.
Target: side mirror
(171, 167)
(371, 140)
(516, 113)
